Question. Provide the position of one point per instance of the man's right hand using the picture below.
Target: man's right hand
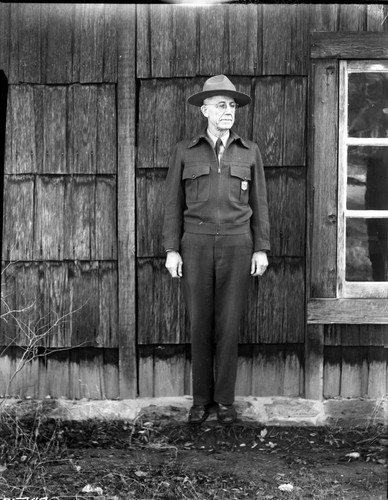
(174, 264)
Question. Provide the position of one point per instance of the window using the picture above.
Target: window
(362, 265)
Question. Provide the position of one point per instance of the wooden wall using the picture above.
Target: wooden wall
(272, 350)
(84, 95)
(60, 233)
(273, 330)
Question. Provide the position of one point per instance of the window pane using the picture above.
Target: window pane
(366, 249)
(367, 182)
(368, 105)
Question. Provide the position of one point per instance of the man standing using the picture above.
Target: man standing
(216, 235)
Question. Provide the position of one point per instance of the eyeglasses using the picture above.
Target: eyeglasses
(222, 106)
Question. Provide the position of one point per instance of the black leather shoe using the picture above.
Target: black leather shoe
(198, 414)
(226, 414)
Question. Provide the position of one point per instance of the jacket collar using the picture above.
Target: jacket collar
(203, 136)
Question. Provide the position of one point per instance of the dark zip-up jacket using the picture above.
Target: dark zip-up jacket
(206, 197)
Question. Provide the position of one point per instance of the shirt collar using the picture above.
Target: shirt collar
(204, 135)
(214, 138)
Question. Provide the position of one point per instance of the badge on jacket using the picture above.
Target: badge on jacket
(244, 185)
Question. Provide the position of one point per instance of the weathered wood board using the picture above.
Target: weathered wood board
(323, 266)
(263, 370)
(65, 304)
(96, 102)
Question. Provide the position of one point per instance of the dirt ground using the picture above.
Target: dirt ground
(121, 460)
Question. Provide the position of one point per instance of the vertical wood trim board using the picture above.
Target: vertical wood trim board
(126, 109)
(314, 345)
(324, 124)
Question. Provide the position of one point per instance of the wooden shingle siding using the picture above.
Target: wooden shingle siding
(21, 156)
(245, 44)
(212, 27)
(162, 41)
(324, 17)
(164, 370)
(55, 301)
(82, 120)
(61, 217)
(20, 291)
(175, 41)
(5, 39)
(295, 113)
(165, 118)
(96, 102)
(89, 43)
(150, 198)
(376, 17)
(26, 381)
(184, 28)
(280, 303)
(159, 323)
(61, 129)
(61, 44)
(244, 116)
(194, 121)
(355, 360)
(279, 112)
(61, 149)
(106, 147)
(18, 226)
(268, 108)
(169, 370)
(161, 121)
(352, 17)
(276, 370)
(247, 37)
(356, 334)
(79, 373)
(285, 39)
(342, 17)
(355, 371)
(287, 210)
(80, 222)
(50, 214)
(27, 44)
(274, 312)
(54, 124)
(60, 23)
(82, 294)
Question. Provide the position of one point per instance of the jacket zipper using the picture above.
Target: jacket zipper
(218, 195)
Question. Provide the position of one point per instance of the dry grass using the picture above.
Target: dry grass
(139, 460)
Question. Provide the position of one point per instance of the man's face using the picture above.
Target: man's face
(220, 112)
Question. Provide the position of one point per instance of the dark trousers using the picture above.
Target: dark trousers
(215, 283)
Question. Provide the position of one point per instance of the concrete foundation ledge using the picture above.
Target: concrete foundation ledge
(285, 411)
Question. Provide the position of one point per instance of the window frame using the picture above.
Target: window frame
(353, 289)
(324, 306)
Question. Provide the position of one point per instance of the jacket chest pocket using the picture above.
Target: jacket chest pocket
(197, 182)
(239, 183)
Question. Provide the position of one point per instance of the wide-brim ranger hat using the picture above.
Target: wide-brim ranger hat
(219, 85)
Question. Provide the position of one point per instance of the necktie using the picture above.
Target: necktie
(218, 148)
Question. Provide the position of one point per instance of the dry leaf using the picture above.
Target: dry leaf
(140, 473)
(286, 487)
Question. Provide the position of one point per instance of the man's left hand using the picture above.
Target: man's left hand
(259, 263)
